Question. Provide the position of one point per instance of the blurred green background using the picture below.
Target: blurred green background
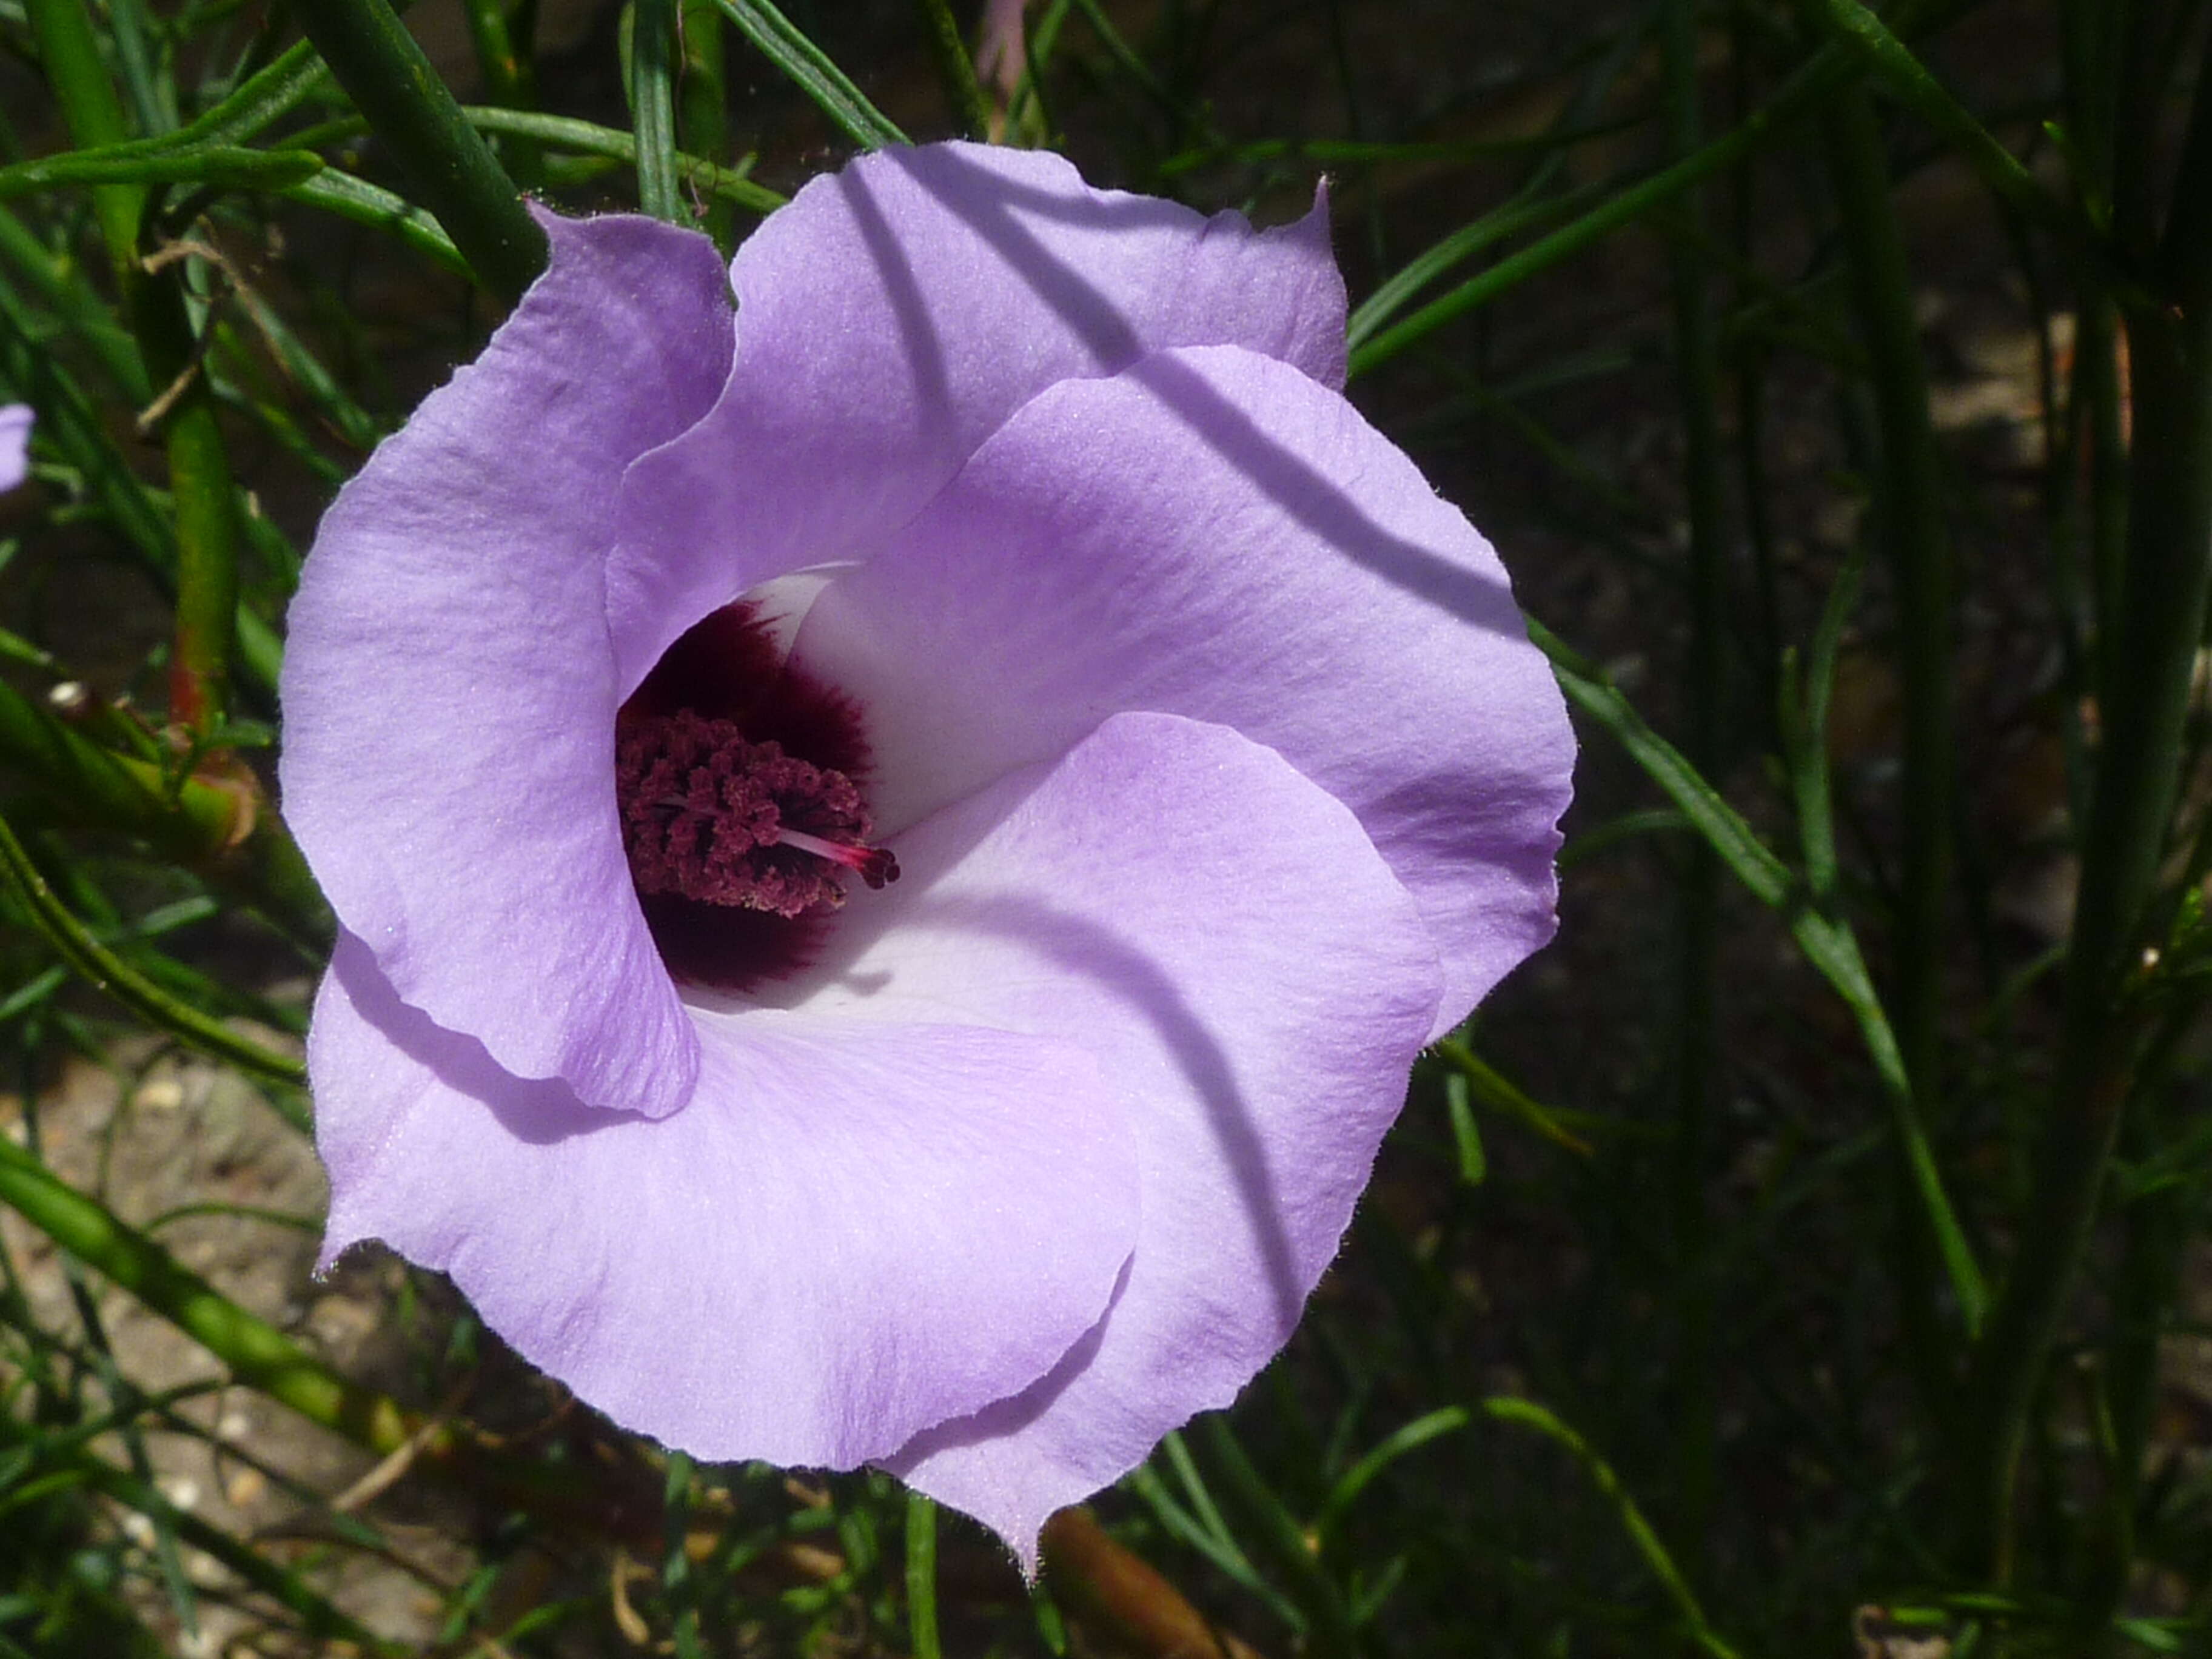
(1804, 1254)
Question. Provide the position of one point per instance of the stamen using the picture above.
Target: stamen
(711, 816)
(731, 667)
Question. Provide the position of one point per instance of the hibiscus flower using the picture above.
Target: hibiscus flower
(895, 849)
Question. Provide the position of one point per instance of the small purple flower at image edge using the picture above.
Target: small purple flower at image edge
(16, 421)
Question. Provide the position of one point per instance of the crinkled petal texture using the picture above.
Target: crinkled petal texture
(894, 314)
(449, 689)
(911, 1193)
(1218, 930)
(1212, 534)
(14, 444)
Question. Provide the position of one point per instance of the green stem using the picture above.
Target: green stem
(956, 69)
(510, 79)
(2101, 447)
(1527, 1415)
(1911, 523)
(1697, 383)
(207, 555)
(2158, 628)
(1827, 942)
(1797, 98)
(108, 972)
(1328, 1621)
(69, 419)
(448, 165)
(187, 818)
(1751, 428)
(922, 1577)
(608, 1503)
(1864, 36)
(2089, 36)
(68, 51)
(258, 1354)
(1751, 357)
(199, 473)
(703, 119)
(153, 101)
(98, 786)
(2146, 1285)
(1805, 731)
(652, 107)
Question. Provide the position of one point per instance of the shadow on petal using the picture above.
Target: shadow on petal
(1096, 955)
(853, 1232)
(538, 1113)
(1302, 490)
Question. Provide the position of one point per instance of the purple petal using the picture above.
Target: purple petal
(449, 693)
(894, 314)
(1212, 534)
(852, 1231)
(14, 444)
(1256, 982)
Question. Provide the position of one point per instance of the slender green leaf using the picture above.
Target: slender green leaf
(1364, 1474)
(1281, 1540)
(319, 1617)
(1816, 828)
(256, 103)
(1467, 1134)
(1498, 225)
(566, 132)
(365, 203)
(1500, 1093)
(1352, 152)
(1629, 826)
(1870, 40)
(1797, 98)
(1226, 1557)
(262, 99)
(1527, 1414)
(809, 69)
(1828, 943)
(222, 167)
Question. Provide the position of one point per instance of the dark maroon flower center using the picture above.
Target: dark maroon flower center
(739, 785)
(717, 818)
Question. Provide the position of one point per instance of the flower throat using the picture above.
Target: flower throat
(736, 778)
